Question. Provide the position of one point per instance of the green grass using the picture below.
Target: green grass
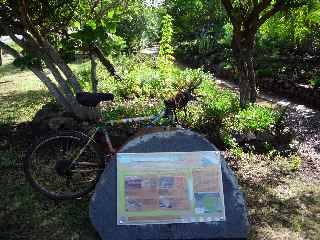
(282, 203)
(21, 94)
(25, 214)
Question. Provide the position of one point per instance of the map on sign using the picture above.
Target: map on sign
(169, 187)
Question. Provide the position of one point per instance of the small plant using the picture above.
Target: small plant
(315, 81)
(295, 162)
(237, 152)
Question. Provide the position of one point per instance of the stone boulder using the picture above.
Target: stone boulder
(103, 205)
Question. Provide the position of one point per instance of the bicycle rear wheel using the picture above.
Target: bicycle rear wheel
(50, 168)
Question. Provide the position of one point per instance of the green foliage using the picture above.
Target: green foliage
(84, 77)
(254, 118)
(166, 49)
(140, 25)
(315, 81)
(199, 29)
(265, 72)
(217, 104)
(295, 162)
(88, 31)
(296, 26)
(195, 18)
(28, 60)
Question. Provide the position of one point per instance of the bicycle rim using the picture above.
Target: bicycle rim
(50, 168)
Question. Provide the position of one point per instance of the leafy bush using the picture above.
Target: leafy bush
(254, 118)
(295, 162)
(217, 104)
(315, 81)
(216, 111)
(84, 77)
(265, 72)
(140, 25)
(8, 159)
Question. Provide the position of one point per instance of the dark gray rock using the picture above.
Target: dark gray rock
(103, 206)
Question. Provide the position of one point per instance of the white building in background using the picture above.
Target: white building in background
(154, 3)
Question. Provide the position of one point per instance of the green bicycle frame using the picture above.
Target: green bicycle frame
(102, 127)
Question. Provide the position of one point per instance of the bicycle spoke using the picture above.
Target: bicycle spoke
(53, 171)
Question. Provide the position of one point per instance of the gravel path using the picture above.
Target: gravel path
(304, 122)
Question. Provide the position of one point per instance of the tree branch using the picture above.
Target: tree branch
(261, 6)
(42, 43)
(53, 89)
(105, 9)
(256, 11)
(104, 60)
(63, 66)
(276, 8)
(229, 9)
(10, 50)
(57, 75)
(94, 80)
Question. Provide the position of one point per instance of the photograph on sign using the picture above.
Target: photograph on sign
(169, 187)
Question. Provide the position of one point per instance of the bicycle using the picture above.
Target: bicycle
(71, 161)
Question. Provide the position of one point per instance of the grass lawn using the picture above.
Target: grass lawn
(24, 214)
(282, 204)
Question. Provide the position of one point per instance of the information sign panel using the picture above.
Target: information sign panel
(169, 187)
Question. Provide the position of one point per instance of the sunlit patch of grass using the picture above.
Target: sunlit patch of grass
(289, 210)
(281, 204)
(21, 94)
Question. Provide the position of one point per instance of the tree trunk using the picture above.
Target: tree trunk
(242, 48)
(0, 56)
(61, 92)
(105, 62)
(9, 50)
(94, 80)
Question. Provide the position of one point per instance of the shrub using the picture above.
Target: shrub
(315, 81)
(254, 118)
(265, 72)
(295, 162)
(215, 113)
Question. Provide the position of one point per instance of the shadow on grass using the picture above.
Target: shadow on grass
(9, 69)
(22, 106)
(298, 213)
(25, 213)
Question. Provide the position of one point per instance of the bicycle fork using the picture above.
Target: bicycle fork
(108, 142)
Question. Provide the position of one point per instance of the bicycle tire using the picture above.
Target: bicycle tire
(56, 152)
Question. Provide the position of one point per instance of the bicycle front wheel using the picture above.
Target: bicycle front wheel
(53, 166)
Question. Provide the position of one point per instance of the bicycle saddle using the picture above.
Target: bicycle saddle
(93, 99)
